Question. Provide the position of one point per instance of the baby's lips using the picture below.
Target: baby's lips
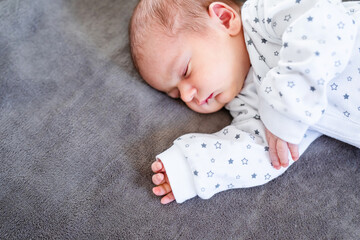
(203, 102)
(206, 100)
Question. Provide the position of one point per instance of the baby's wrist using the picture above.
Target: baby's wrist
(179, 174)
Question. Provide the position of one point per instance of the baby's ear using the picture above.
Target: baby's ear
(226, 16)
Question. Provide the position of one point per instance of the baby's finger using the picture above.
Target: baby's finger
(157, 166)
(294, 150)
(158, 178)
(282, 152)
(273, 154)
(162, 189)
(274, 160)
(168, 198)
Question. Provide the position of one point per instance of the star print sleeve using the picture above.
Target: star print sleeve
(205, 164)
(316, 48)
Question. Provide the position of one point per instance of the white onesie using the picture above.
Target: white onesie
(304, 82)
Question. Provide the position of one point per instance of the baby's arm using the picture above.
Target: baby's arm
(316, 48)
(246, 117)
(205, 164)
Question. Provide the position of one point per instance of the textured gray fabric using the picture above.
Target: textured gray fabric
(79, 130)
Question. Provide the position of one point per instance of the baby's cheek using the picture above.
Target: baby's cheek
(225, 98)
(174, 93)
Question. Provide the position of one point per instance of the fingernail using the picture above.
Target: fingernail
(158, 165)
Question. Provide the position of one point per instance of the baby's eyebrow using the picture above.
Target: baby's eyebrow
(177, 63)
(174, 71)
(164, 79)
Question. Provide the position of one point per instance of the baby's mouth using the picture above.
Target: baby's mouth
(206, 100)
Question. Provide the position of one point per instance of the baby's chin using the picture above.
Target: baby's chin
(206, 108)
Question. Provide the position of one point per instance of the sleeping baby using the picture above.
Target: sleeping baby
(287, 70)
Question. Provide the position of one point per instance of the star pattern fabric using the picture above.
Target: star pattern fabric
(307, 63)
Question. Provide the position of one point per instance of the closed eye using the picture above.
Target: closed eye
(187, 70)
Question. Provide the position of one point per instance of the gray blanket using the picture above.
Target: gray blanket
(79, 130)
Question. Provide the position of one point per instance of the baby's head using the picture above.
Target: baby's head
(190, 49)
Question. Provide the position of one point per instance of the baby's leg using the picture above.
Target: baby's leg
(161, 180)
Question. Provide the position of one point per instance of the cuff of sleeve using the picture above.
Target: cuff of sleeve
(179, 174)
(281, 126)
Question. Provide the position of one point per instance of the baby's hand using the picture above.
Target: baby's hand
(161, 179)
(279, 149)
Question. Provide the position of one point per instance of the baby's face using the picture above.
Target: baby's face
(206, 72)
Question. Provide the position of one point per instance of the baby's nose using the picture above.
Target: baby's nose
(188, 95)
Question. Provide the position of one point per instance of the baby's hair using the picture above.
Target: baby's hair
(160, 16)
